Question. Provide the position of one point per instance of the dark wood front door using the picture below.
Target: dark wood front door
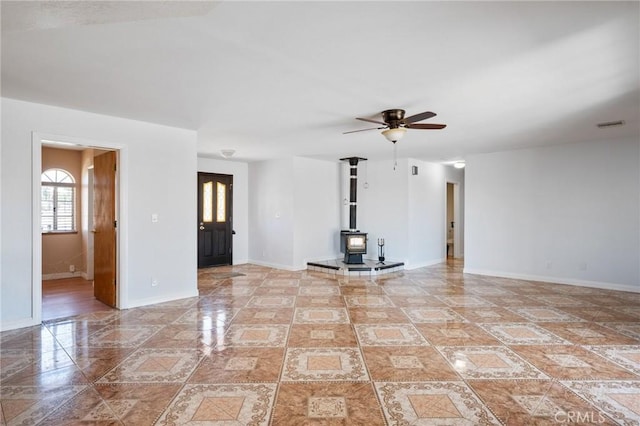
(104, 221)
(215, 204)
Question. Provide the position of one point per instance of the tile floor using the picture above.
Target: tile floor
(428, 346)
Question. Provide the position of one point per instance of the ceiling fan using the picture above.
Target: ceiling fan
(394, 124)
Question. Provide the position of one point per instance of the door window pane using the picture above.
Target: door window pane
(207, 202)
(221, 212)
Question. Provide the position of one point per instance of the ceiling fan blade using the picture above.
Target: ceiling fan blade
(364, 130)
(419, 117)
(372, 121)
(428, 126)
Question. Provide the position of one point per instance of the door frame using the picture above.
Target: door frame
(122, 174)
(230, 215)
(457, 232)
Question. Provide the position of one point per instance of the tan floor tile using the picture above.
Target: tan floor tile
(416, 301)
(389, 335)
(429, 315)
(320, 301)
(448, 402)
(276, 291)
(256, 335)
(361, 290)
(586, 333)
(327, 404)
(456, 334)
(320, 315)
(239, 404)
(324, 364)
(96, 362)
(377, 316)
(184, 336)
(30, 405)
(567, 362)
(493, 314)
(261, 316)
(432, 344)
(535, 402)
(321, 335)
(625, 356)
(151, 365)
(407, 363)
(249, 365)
(489, 362)
(602, 314)
(618, 399)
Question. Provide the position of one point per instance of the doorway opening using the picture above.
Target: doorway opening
(450, 225)
(215, 221)
(75, 231)
(453, 224)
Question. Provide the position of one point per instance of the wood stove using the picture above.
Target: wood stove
(353, 243)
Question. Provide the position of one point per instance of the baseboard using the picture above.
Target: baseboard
(554, 280)
(276, 265)
(161, 299)
(410, 266)
(22, 323)
(63, 275)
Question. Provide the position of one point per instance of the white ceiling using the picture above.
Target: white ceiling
(270, 79)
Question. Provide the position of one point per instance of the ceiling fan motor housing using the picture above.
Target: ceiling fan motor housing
(393, 117)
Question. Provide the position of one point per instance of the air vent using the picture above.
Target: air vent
(611, 124)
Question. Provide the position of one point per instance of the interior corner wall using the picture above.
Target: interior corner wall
(427, 214)
(565, 213)
(294, 212)
(383, 207)
(160, 178)
(317, 210)
(240, 173)
(271, 216)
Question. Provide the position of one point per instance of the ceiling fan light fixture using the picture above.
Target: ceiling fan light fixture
(395, 134)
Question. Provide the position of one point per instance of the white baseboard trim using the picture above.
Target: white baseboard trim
(62, 275)
(410, 266)
(554, 280)
(21, 323)
(276, 265)
(161, 299)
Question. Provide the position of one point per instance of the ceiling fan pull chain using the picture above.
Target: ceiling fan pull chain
(395, 155)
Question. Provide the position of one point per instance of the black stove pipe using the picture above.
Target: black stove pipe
(353, 190)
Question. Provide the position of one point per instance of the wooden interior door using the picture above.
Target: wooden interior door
(104, 221)
(215, 204)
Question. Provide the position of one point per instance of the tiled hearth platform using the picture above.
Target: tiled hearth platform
(430, 346)
(367, 268)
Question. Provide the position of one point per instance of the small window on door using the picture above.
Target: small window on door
(58, 201)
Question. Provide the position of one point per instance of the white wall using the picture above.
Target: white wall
(240, 173)
(382, 208)
(407, 211)
(294, 212)
(317, 210)
(271, 217)
(157, 176)
(567, 214)
(427, 214)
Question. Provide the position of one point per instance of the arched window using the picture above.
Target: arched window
(58, 201)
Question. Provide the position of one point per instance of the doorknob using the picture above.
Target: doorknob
(201, 228)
